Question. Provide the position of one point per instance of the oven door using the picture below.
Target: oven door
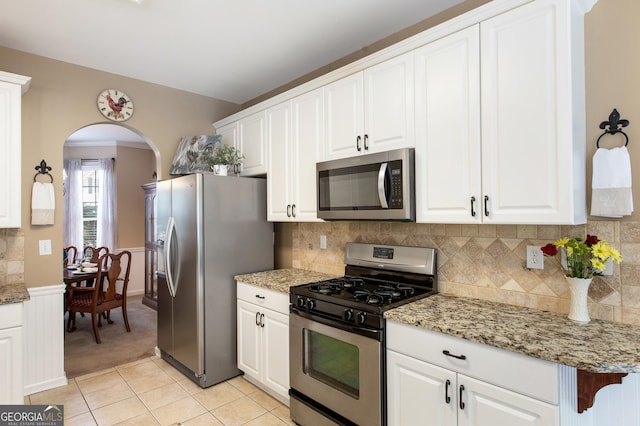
(336, 366)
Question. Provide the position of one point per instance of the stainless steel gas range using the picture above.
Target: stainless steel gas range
(337, 333)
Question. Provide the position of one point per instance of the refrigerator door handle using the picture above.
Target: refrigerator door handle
(171, 229)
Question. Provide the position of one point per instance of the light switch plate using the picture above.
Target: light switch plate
(45, 247)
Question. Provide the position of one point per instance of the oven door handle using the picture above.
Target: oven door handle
(371, 333)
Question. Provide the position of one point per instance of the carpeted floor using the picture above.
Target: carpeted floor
(83, 355)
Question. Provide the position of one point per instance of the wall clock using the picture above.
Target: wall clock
(115, 105)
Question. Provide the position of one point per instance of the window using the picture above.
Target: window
(90, 202)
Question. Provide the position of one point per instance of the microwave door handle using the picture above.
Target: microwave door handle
(382, 194)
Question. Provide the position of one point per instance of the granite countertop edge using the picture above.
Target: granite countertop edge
(598, 346)
(13, 293)
(282, 279)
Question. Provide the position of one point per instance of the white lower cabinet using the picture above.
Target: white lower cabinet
(425, 386)
(263, 339)
(11, 354)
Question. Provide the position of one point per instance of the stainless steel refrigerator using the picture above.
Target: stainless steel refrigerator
(210, 228)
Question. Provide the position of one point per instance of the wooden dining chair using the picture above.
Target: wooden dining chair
(72, 253)
(94, 253)
(113, 269)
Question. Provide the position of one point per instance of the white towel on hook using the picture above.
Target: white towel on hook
(43, 203)
(611, 194)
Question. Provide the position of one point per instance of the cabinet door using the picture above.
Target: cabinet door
(307, 140)
(11, 385)
(279, 168)
(448, 129)
(229, 134)
(388, 105)
(488, 405)
(252, 144)
(344, 117)
(249, 348)
(419, 393)
(10, 155)
(275, 340)
(527, 81)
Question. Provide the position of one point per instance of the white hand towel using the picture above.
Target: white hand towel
(611, 194)
(43, 203)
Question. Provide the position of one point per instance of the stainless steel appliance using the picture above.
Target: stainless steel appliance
(368, 187)
(337, 333)
(210, 228)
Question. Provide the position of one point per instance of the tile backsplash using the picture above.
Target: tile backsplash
(11, 256)
(488, 261)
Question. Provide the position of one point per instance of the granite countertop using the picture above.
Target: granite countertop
(281, 279)
(13, 293)
(598, 346)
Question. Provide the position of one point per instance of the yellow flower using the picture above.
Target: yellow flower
(615, 255)
(597, 263)
(561, 242)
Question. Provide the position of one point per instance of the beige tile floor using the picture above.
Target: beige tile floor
(152, 392)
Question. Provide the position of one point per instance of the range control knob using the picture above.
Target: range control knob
(348, 314)
(361, 317)
(300, 301)
(311, 304)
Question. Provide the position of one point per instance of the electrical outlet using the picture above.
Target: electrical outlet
(535, 258)
(323, 242)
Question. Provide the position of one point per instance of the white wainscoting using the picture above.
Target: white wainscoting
(136, 275)
(44, 339)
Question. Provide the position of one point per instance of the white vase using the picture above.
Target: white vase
(579, 289)
(220, 169)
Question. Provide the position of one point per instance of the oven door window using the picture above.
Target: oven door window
(333, 362)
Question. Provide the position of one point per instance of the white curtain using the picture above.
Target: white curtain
(106, 235)
(73, 203)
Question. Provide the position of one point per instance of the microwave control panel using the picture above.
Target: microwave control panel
(395, 170)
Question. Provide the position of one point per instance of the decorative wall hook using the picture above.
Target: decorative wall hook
(43, 169)
(614, 124)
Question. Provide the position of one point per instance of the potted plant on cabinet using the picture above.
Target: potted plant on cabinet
(221, 158)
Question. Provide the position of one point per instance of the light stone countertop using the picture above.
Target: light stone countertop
(281, 279)
(598, 346)
(13, 293)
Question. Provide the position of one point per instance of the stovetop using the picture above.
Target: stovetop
(377, 278)
(362, 291)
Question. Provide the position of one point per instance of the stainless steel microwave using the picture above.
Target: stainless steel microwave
(368, 187)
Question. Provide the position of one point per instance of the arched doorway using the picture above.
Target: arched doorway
(136, 161)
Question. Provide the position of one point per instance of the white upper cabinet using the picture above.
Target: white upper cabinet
(533, 124)
(249, 137)
(294, 133)
(252, 144)
(505, 143)
(448, 162)
(12, 87)
(370, 111)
